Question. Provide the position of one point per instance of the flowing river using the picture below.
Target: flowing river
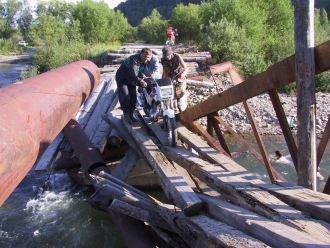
(62, 216)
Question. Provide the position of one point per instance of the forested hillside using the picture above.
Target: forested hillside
(136, 10)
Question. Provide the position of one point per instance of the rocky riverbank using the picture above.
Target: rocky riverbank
(263, 109)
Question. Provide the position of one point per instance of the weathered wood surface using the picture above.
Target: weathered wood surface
(240, 191)
(305, 79)
(173, 184)
(197, 231)
(214, 157)
(162, 138)
(275, 234)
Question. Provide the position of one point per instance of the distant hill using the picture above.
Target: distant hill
(136, 10)
(323, 4)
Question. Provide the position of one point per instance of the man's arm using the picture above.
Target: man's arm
(184, 66)
(155, 67)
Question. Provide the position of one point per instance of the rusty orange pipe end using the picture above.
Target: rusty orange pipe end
(34, 111)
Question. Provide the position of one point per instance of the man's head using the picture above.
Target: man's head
(145, 55)
(278, 154)
(167, 52)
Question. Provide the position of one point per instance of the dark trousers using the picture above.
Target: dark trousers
(126, 96)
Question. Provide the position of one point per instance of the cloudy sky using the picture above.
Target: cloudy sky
(111, 3)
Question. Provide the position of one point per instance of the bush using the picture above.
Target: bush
(8, 46)
(187, 20)
(152, 29)
(48, 58)
(30, 72)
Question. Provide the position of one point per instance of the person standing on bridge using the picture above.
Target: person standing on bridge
(130, 74)
(175, 68)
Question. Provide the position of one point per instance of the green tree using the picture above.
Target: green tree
(8, 13)
(48, 30)
(152, 28)
(24, 21)
(56, 8)
(97, 21)
(187, 20)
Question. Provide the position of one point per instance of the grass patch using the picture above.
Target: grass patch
(48, 58)
(8, 46)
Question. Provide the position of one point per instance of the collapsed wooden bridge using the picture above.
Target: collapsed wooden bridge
(211, 201)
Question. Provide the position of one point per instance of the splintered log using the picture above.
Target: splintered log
(273, 233)
(173, 184)
(244, 193)
(197, 231)
(156, 222)
(43, 109)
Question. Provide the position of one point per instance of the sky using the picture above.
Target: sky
(111, 3)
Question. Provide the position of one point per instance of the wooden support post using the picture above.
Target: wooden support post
(305, 72)
(284, 125)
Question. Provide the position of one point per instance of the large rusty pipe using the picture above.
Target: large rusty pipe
(34, 111)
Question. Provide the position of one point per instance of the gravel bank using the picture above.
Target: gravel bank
(263, 109)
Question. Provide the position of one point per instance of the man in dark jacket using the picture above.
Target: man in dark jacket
(128, 76)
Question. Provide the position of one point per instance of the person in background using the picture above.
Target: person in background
(170, 36)
(175, 68)
(131, 74)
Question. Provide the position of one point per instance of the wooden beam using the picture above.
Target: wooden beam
(278, 75)
(244, 192)
(306, 106)
(273, 233)
(172, 183)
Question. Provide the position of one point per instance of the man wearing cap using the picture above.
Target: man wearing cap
(175, 68)
(129, 75)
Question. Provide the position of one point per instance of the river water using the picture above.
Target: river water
(62, 216)
(9, 73)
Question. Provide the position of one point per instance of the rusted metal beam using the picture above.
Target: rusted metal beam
(237, 80)
(284, 125)
(273, 175)
(323, 142)
(280, 74)
(34, 111)
(237, 136)
(219, 134)
(209, 128)
(88, 155)
(326, 189)
(210, 140)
